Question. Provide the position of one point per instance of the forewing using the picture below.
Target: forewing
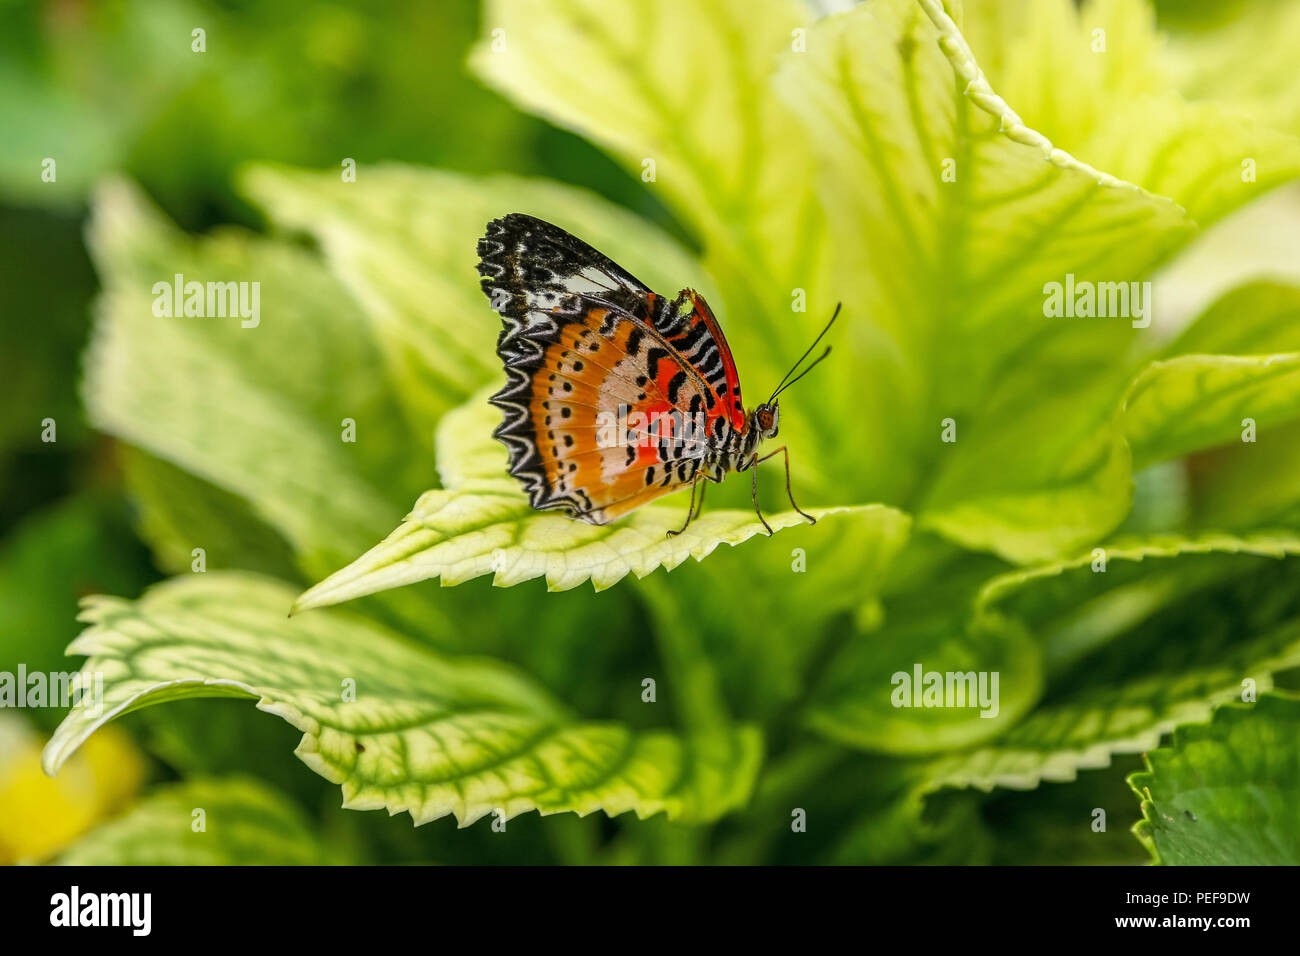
(690, 329)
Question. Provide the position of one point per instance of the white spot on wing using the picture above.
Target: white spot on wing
(587, 281)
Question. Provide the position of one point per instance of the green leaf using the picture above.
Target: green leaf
(480, 523)
(889, 820)
(1076, 605)
(218, 401)
(1121, 692)
(82, 543)
(1226, 793)
(425, 734)
(1222, 57)
(243, 823)
(1119, 105)
(1056, 824)
(932, 169)
(923, 619)
(761, 618)
(404, 242)
(1198, 401)
(858, 702)
(1247, 486)
(569, 62)
(1256, 318)
(1036, 504)
(221, 404)
(859, 809)
(1239, 360)
(1274, 544)
(179, 512)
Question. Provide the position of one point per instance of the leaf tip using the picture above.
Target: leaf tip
(52, 757)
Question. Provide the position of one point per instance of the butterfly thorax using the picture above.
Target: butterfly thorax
(737, 450)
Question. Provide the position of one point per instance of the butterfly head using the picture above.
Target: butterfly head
(767, 420)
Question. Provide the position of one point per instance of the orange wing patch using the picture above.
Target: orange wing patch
(600, 419)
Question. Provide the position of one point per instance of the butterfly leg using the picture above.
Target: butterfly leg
(690, 511)
(753, 491)
(789, 494)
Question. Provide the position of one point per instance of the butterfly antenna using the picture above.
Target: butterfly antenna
(787, 381)
(800, 375)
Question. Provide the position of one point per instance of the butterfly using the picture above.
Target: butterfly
(615, 396)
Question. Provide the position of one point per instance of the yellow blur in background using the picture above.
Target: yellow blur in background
(40, 815)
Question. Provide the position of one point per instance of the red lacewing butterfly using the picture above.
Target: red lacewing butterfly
(614, 395)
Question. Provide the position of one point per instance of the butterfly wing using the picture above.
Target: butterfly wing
(688, 326)
(595, 363)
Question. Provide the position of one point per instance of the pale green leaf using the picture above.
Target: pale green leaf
(951, 216)
(1240, 54)
(219, 400)
(932, 168)
(895, 99)
(1094, 80)
(684, 87)
(178, 512)
(397, 726)
(1226, 793)
(1256, 318)
(259, 412)
(1238, 360)
(480, 522)
(243, 823)
(1198, 401)
(1063, 478)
